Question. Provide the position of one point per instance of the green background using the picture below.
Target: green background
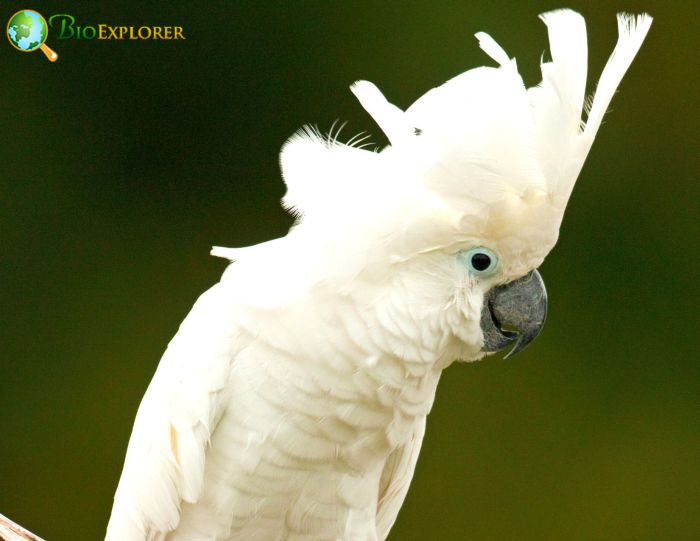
(123, 162)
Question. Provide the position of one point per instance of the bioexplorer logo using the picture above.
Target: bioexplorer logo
(27, 31)
(65, 25)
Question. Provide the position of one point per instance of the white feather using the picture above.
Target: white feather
(388, 116)
(632, 29)
(493, 49)
(562, 144)
(165, 460)
(292, 401)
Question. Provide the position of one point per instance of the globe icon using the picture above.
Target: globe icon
(27, 31)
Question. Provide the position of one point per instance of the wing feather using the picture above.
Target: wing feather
(395, 480)
(165, 460)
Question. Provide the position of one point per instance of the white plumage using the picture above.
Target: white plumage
(291, 404)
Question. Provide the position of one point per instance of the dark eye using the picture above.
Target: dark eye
(480, 261)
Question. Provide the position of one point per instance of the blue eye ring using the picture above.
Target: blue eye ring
(480, 261)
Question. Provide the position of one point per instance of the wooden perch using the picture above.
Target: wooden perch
(9, 531)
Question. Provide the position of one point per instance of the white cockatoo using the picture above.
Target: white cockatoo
(291, 403)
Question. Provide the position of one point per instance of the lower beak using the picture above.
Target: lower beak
(520, 305)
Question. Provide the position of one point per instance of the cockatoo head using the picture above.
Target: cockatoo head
(462, 207)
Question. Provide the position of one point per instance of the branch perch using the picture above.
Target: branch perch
(9, 531)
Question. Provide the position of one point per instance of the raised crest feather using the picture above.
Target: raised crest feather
(465, 157)
(632, 29)
(493, 49)
(388, 116)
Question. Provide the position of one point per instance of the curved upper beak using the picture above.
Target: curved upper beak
(520, 305)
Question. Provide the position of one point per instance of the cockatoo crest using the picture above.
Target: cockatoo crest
(478, 160)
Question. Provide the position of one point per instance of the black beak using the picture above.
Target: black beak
(520, 305)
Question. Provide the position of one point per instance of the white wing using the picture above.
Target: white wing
(164, 463)
(395, 480)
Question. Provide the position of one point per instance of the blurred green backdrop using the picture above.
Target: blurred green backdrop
(125, 161)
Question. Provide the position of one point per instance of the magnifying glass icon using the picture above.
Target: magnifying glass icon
(27, 31)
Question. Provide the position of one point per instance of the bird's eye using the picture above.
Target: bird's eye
(480, 261)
